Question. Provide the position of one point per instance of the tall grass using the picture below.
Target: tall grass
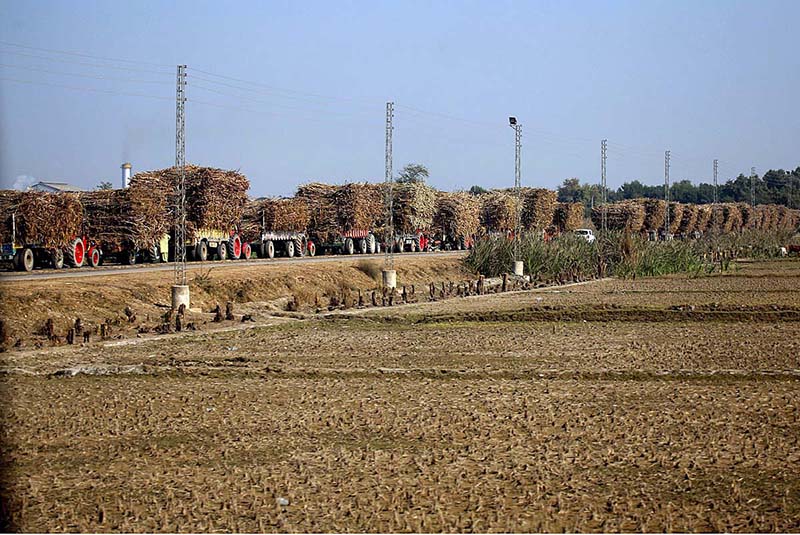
(620, 254)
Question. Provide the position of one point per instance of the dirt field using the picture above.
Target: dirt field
(663, 404)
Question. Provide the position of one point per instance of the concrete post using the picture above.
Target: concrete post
(389, 278)
(180, 296)
(519, 267)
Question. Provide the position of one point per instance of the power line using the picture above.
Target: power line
(66, 53)
(260, 101)
(277, 89)
(84, 63)
(131, 80)
(90, 89)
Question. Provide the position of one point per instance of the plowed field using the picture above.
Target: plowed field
(667, 404)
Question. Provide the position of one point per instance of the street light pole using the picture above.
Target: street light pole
(518, 263)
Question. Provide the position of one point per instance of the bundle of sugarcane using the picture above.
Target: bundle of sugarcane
(499, 211)
(250, 226)
(414, 206)
(457, 214)
(704, 213)
(770, 214)
(538, 207)
(732, 218)
(568, 216)
(625, 215)
(655, 213)
(104, 216)
(273, 214)
(786, 218)
(675, 217)
(215, 198)
(45, 219)
(9, 199)
(322, 213)
(747, 212)
(689, 219)
(360, 206)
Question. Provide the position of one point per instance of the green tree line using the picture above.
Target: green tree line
(775, 187)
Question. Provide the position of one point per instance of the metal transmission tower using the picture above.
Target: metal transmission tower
(666, 192)
(716, 195)
(603, 187)
(753, 186)
(180, 165)
(389, 181)
(512, 122)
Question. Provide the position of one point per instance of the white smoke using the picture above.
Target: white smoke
(23, 182)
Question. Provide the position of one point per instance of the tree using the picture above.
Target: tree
(570, 191)
(477, 190)
(413, 172)
(104, 186)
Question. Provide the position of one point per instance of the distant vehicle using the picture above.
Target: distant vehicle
(585, 233)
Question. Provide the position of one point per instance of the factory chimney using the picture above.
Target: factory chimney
(126, 174)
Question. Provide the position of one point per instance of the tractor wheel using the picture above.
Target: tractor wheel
(234, 247)
(222, 250)
(93, 258)
(247, 251)
(154, 254)
(312, 249)
(399, 246)
(416, 247)
(201, 251)
(289, 248)
(75, 253)
(298, 247)
(362, 246)
(57, 258)
(461, 244)
(370, 244)
(377, 248)
(268, 248)
(349, 246)
(128, 256)
(24, 260)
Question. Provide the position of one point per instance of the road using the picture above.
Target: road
(67, 273)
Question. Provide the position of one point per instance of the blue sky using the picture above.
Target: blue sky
(293, 91)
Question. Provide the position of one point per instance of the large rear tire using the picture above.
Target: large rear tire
(75, 253)
(234, 247)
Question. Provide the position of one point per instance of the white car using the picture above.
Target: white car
(586, 234)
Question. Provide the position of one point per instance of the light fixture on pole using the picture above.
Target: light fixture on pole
(518, 264)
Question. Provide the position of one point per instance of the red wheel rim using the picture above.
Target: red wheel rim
(95, 257)
(78, 252)
(247, 251)
(237, 247)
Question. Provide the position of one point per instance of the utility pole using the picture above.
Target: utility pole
(518, 264)
(666, 193)
(716, 195)
(389, 273)
(180, 290)
(604, 198)
(753, 187)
